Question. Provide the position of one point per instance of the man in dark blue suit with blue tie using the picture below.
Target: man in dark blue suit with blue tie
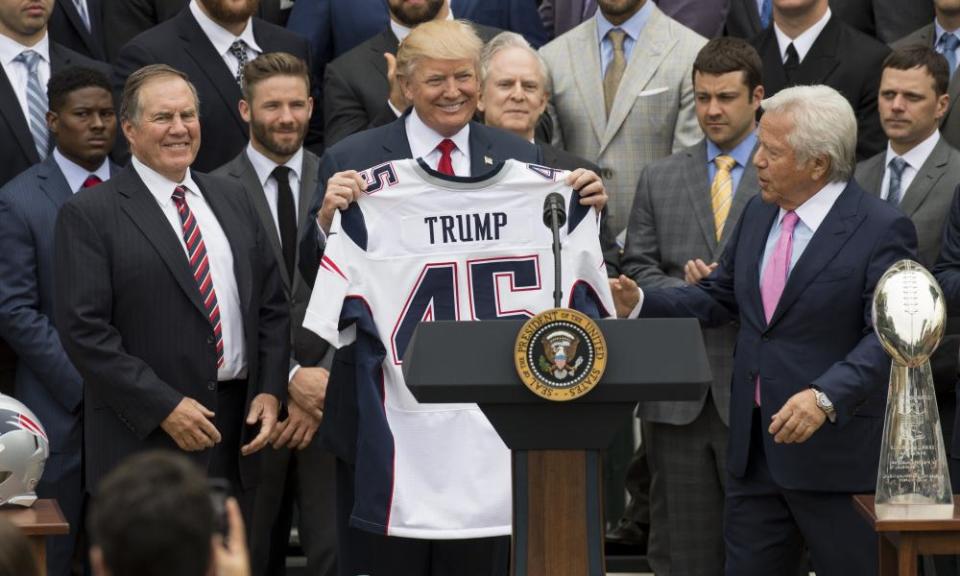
(83, 124)
(810, 377)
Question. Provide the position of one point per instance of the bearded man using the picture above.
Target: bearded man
(210, 41)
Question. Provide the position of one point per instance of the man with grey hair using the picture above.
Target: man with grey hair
(810, 377)
(168, 300)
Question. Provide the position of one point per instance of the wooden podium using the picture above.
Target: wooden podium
(37, 522)
(558, 525)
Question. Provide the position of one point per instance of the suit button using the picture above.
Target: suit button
(765, 338)
(210, 340)
(212, 385)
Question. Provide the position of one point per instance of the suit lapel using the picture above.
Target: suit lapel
(11, 110)
(927, 177)
(383, 42)
(697, 184)
(482, 154)
(822, 58)
(746, 189)
(395, 143)
(583, 46)
(142, 208)
(871, 176)
(648, 54)
(308, 185)
(756, 244)
(198, 46)
(70, 10)
(242, 169)
(233, 230)
(841, 221)
(53, 183)
(774, 76)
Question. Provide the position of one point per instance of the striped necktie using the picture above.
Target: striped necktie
(36, 102)
(200, 266)
(721, 192)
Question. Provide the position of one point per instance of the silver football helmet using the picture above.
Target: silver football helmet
(23, 452)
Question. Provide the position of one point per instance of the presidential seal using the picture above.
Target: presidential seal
(560, 354)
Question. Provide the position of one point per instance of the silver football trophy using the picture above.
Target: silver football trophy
(909, 317)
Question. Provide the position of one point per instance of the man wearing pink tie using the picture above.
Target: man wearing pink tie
(810, 378)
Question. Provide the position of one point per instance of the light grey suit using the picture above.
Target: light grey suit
(653, 112)
(950, 125)
(311, 481)
(672, 222)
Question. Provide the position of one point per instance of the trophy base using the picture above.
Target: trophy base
(913, 507)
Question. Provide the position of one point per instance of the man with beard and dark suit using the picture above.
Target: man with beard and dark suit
(28, 57)
(210, 41)
(279, 177)
(83, 126)
(683, 216)
(810, 377)
(169, 302)
(514, 91)
(437, 70)
(807, 44)
(360, 87)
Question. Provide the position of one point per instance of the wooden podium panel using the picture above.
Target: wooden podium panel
(901, 542)
(37, 522)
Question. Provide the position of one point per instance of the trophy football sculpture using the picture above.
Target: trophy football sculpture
(909, 317)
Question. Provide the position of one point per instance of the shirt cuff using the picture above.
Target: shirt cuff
(293, 372)
(635, 313)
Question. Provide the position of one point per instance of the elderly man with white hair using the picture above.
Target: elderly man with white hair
(810, 377)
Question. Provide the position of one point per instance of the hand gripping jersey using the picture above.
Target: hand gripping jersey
(418, 246)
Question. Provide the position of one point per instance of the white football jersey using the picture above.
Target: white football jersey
(419, 246)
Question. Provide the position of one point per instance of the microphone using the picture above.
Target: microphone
(555, 216)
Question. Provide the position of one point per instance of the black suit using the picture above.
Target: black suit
(132, 322)
(181, 43)
(361, 552)
(67, 28)
(743, 19)
(355, 87)
(842, 58)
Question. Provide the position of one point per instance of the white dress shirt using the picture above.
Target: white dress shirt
(219, 255)
(804, 41)
(17, 71)
(424, 140)
(914, 158)
(75, 174)
(222, 39)
(264, 167)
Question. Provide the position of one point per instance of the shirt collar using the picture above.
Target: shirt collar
(633, 26)
(815, 209)
(75, 174)
(401, 31)
(917, 155)
(804, 41)
(10, 49)
(220, 37)
(741, 152)
(159, 185)
(424, 139)
(264, 166)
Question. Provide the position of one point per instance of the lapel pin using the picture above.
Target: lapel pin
(487, 160)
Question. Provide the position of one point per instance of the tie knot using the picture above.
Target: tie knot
(92, 180)
(793, 57)
(616, 37)
(790, 220)
(898, 165)
(179, 194)
(30, 58)
(446, 146)
(281, 173)
(725, 163)
(949, 41)
(238, 47)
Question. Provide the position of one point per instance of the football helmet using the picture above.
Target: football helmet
(23, 452)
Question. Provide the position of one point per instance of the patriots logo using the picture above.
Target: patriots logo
(11, 420)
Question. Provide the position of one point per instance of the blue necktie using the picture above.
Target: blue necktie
(894, 193)
(948, 47)
(36, 102)
(766, 13)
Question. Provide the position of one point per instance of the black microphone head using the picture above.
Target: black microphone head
(554, 202)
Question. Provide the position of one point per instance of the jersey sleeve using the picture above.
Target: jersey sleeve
(335, 280)
(589, 291)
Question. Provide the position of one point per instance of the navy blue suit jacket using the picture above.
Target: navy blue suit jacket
(820, 335)
(359, 152)
(46, 380)
(947, 273)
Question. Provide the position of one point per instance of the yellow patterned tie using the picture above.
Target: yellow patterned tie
(721, 192)
(611, 79)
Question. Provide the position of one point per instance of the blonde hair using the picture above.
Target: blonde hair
(441, 40)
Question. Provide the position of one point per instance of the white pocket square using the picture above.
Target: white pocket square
(652, 92)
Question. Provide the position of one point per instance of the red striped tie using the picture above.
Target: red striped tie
(200, 266)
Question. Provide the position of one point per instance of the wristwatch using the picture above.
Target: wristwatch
(826, 405)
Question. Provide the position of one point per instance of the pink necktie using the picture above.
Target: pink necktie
(775, 274)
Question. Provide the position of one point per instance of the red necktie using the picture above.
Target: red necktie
(445, 166)
(92, 180)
